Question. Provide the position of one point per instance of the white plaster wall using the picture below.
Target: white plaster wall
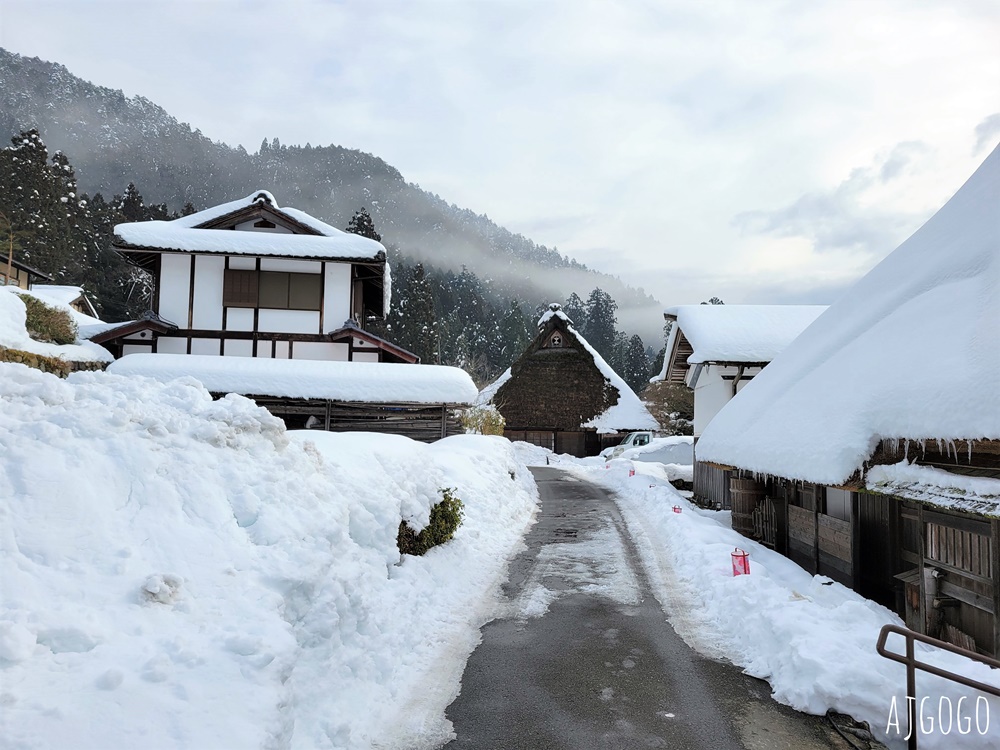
(248, 226)
(315, 350)
(341, 352)
(242, 348)
(239, 319)
(290, 266)
(263, 350)
(168, 345)
(175, 288)
(337, 295)
(711, 393)
(365, 357)
(132, 349)
(281, 350)
(242, 263)
(288, 321)
(205, 346)
(208, 278)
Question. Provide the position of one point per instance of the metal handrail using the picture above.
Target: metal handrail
(912, 664)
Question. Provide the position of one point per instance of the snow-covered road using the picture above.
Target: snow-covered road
(584, 656)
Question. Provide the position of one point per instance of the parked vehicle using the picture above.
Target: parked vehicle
(645, 446)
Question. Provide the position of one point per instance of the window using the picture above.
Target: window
(272, 289)
(556, 340)
(838, 504)
(239, 288)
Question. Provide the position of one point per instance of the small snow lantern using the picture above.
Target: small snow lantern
(741, 562)
(677, 509)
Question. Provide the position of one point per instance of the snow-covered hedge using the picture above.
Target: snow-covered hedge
(183, 572)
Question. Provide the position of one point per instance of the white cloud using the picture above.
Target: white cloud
(629, 135)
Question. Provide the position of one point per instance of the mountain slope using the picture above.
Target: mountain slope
(113, 140)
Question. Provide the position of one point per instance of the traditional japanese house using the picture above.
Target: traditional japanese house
(252, 279)
(562, 395)
(869, 451)
(271, 303)
(15, 273)
(717, 349)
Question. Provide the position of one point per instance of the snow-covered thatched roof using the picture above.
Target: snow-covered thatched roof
(362, 382)
(911, 351)
(627, 412)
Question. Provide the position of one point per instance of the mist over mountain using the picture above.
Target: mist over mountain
(113, 140)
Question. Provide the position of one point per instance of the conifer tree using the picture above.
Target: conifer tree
(363, 224)
(601, 321)
(636, 365)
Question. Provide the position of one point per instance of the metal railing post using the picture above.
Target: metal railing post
(912, 665)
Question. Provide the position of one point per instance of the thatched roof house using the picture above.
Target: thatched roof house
(876, 434)
(562, 395)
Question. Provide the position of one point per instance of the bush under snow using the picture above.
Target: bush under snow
(182, 572)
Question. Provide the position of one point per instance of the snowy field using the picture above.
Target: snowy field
(811, 638)
(179, 572)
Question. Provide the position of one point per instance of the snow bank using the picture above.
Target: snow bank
(869, 368)
(181, 572)
(379, 382)
(14, 336)
(811, 638)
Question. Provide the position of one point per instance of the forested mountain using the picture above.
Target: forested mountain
(108, 141)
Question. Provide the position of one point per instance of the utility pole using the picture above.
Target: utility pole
(10, 248)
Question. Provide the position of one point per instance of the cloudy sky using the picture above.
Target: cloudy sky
(765, 151)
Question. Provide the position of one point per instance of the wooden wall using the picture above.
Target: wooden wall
(711, 486)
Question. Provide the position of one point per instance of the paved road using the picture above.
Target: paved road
(602, 668)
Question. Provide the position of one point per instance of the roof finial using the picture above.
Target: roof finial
(555, 306)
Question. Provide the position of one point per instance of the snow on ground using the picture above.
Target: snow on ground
(182, 573)
(811, 638)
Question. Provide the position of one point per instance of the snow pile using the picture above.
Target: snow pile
(181, 572)
(811, 638)
(928, 484)
(374, 382)
(869, 368)
(14, 336)
(740, 333)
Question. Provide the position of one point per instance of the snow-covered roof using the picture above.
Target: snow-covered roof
(65, 295)
(911, 351)
(740, 333)
(365, 382)
(258, 197)
(628, 413)
(186, 235)
(937, 486)
(486, 395)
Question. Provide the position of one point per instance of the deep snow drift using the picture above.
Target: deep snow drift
(180, 572)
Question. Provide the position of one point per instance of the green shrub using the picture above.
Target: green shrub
(54, 365)
(48, 324)
(483, 420)
(446, 517)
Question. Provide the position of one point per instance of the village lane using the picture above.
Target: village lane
(585, 658)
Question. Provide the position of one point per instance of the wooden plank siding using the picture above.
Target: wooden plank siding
(711, 486)
(802, 537)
